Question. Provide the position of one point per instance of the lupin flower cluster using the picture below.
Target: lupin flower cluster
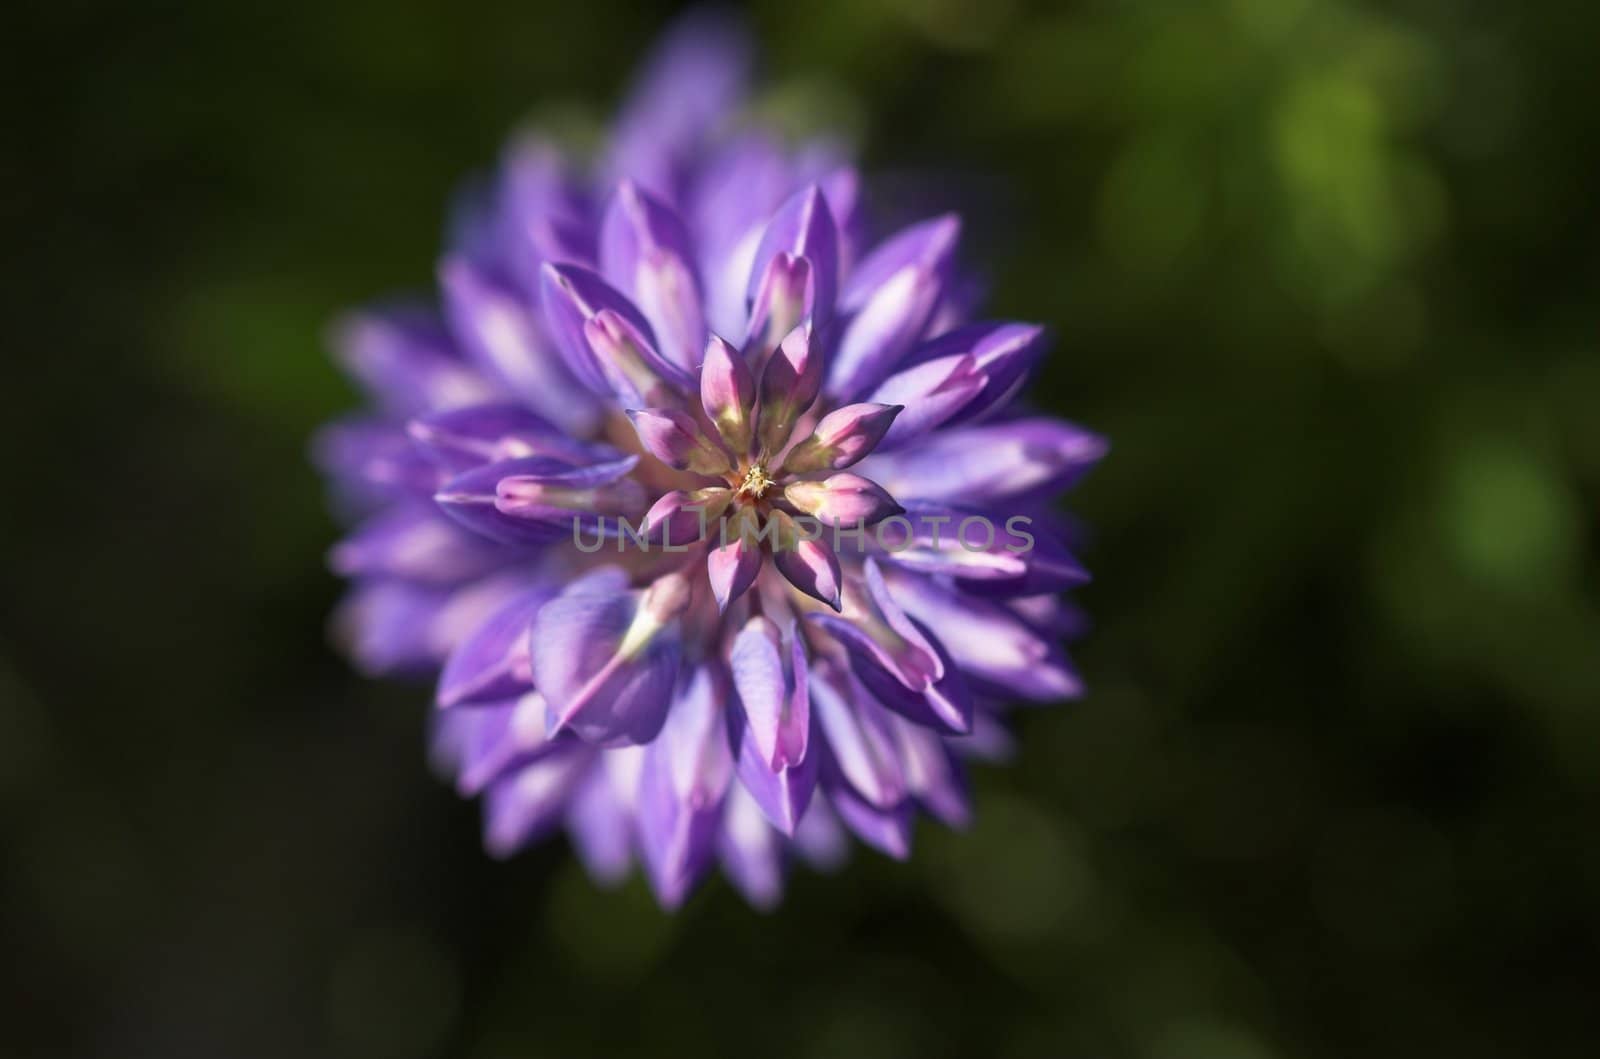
(687, 339)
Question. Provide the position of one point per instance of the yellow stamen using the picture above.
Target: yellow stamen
(755, 482)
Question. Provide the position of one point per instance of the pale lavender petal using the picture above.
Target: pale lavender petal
(464, 438)
(412, 541)
(933, 775)
(496, 328)
(499, 738)
(528, 803)
(970, 465)
(405, 358)
(890, 299)
(1004, 353)
(601, 824)
(751, 852)
(493, 663)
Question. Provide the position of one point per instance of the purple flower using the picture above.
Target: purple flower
(716, 520)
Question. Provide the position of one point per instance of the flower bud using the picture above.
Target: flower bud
(843, 437)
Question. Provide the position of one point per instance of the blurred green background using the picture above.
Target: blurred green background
(1325, 272)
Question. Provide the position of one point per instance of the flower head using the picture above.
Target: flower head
(717, 520)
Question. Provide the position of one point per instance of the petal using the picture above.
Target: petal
(645, 252)
(674, 438)
(406, 359)
(991, 644)
(493, 662)
(1013, 559)
(529, 802)
(771, 681)
(803, 228)
(635, 372)
(686, 772)
(464, 438)
(497, 330)
(601, 823)
(891, 297)
(533, 500)
(571, 296)
(932, 393)
(732, 569)
(372, 461)
(842, 499)
(971, 465)
(899, 661)
(932, 773)
(695, 77)
(1004, 353)
(782, 794)
(886, 830)
(789, 384)
(861, 742)
(412, 541)
(751, 852)
(842, 437)
(728, 393)
(808, 563)
(605, 663)
(500, 738)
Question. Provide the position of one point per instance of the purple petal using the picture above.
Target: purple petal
(1004, 353)
(571, 297)
(842, 437)
(528, 803)
(891, 297)
(500, 738)
(697, 74)
(732, 569)
(600, 820)
(789, 384)
(751, 852)
(635, 372)
(412, 541)
(842, 499)
(886, 830)
(971, 465)
(803, 228)
(544, 214)
(809, 565)
(932, 773)
(497, 330)
(493, 663)
(860, 739)
(644, 250)
(782, 794)
(686, 772)
(605, 663)
(674, 438)
(372, 461)
(406, 359)
(728, 393)
(464, 438)
(931, 393)
(988, 641)
(771, 681)
(475, 498)
(1016, 558)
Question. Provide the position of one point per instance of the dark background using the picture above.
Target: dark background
(1325, 272)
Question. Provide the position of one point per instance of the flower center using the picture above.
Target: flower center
(755, 482)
